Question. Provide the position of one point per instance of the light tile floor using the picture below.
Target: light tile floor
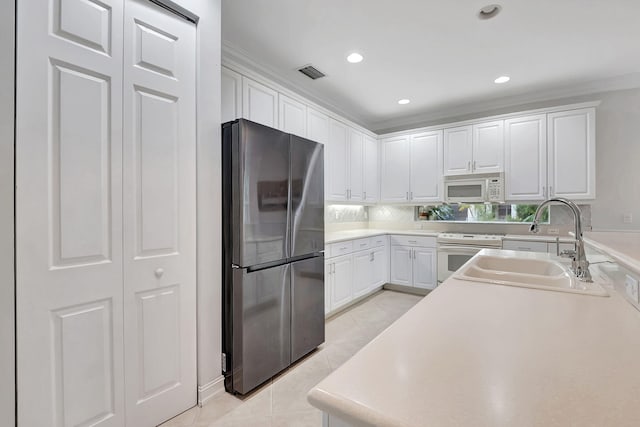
(282, 401)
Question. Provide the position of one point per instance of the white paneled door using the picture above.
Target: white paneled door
(105, 278)
(69, 213)
(159, 201)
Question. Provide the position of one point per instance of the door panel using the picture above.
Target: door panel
(337, 153)
(457, 150)
(260, 218)
(380, 268)
(307, 197)
(488, 147)
(307, 306)
(261, 329)
(259, 103)
(526, 158)
(401, 265)
(426, 167)
(69, 213)
(424, 268)
(395, 170)
(371, 182)
(362, 271)
(293, 116)
(342, 291)
(356, 167)
(159, 214)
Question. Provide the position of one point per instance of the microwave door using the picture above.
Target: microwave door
(473, 191)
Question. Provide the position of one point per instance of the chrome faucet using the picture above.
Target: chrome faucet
(579, 263)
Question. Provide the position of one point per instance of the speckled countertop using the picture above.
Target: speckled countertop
(473, 354)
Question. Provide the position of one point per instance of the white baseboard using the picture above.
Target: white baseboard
(210, 389)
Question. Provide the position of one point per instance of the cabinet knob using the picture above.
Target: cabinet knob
(159, 272)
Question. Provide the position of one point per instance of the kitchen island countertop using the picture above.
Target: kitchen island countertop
(474, 354)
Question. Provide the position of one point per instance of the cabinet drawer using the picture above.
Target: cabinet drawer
(522, 245)
(340, 248)
(378, 241)
(423, 241)
(361, 244)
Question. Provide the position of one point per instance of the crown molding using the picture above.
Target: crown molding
(235, 57)
(436, 116)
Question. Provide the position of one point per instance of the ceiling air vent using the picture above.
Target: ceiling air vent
(311, 72)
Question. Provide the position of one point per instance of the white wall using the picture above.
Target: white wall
(7, 365)
(209, 195)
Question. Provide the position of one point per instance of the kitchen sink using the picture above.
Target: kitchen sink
(526, 270)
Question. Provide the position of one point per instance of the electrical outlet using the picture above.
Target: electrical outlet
(553, 230)
(631, 284)
(627, 218)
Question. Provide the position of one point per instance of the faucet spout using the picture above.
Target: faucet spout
(579, 264)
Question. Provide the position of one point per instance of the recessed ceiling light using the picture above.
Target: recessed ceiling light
(404, 101)
(489, 11)
(355, 57)
(502, 79)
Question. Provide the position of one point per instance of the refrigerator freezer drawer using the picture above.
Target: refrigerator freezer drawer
(307, 306)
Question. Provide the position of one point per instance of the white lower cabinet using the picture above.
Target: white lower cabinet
(414, 262)
(341, 281)
(361, 266)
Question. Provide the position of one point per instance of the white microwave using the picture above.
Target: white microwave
(485, 188)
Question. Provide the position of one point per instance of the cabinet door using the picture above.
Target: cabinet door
(424, 268)
(379, 267)
(458, 150)
(259, 103)
(356, 165)
(401, 265)
(394, 166)
(572, 154)
(336, 158)
(342, 292)
(317, 126)
(231, 94)
(362, 273)
(371, 183)
(293, 116)
(426, 167)
(328, 284)
(488, 147)
(526, 158)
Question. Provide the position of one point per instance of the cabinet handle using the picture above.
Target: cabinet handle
(363, 244)
(474, 165)
(371, 256)
(411, 195)
(551, 191)
(469, 165)
(364, 195)
(407, 195)
(544, 192)
(412, 241)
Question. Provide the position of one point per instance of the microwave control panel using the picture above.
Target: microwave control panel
(495, 190)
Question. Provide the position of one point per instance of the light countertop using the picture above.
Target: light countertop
(538, 238)
(622, 246)
(340, 236)
(473, 354)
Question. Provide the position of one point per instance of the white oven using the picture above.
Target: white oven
(454, 250)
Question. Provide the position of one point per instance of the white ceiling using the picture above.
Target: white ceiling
(436, 53)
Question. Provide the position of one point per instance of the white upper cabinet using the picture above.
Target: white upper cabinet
(458, 150)
(426, 167)
(526, 158)
(572, 154)
(356, 166)
(488, 147)
(336, 162)
(317, 126)
(231, 94)
(259, 103)
(477, 148)
(394, 167)
(293, 116)
(371, 182)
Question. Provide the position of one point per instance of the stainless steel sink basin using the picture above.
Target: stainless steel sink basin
(524, 270)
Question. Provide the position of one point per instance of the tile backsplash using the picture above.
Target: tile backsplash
(345, 213)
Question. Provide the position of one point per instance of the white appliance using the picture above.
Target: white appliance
(455, 249)
(484, 188)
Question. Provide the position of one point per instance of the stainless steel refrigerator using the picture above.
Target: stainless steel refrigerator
(273, 251)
